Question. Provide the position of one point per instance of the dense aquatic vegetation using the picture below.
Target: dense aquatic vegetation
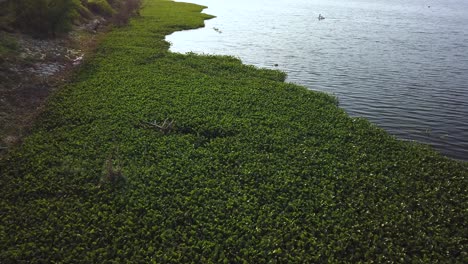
(149, 156)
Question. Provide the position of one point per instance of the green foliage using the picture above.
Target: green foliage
(116, 3)
(44, 17)
(6, 15)
(101, 7)
(126, 10)
(82, 11)
(8, 44)
(254, 170)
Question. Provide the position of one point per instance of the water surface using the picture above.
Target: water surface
(401, 64)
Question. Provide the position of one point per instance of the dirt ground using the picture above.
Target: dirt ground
(36, 69)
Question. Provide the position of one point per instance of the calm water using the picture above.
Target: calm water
(401, 64)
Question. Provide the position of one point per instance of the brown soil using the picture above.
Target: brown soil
(32, 73)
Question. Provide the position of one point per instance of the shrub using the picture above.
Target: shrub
(83, 12)
(6, 15)
(7, 43)
(127, 9)
(44, 17)
(100, 7)
(115, 3)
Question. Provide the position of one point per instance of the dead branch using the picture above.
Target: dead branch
(165, 127)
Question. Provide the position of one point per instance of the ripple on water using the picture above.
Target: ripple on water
(397, 63)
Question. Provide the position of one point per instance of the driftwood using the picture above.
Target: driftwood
(165, 127)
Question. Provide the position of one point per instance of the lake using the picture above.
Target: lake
(401, 64)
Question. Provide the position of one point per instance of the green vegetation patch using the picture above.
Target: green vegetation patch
(8, 44)
(50, 18)
(150, 156)
(101, 7)
(43, 17)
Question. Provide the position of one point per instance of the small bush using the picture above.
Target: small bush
(83, 12)
(115, 3)
(100, 7)
(44, 17)
(127, 9)
(7, 43)
(6, 15)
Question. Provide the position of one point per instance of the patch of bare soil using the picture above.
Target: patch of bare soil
(37, 69)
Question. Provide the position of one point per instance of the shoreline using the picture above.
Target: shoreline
(149, 155)
(36, 68)
(420, 119)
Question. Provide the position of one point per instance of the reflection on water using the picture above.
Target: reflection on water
(401, 64)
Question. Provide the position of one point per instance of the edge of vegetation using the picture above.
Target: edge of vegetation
(150, 156)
